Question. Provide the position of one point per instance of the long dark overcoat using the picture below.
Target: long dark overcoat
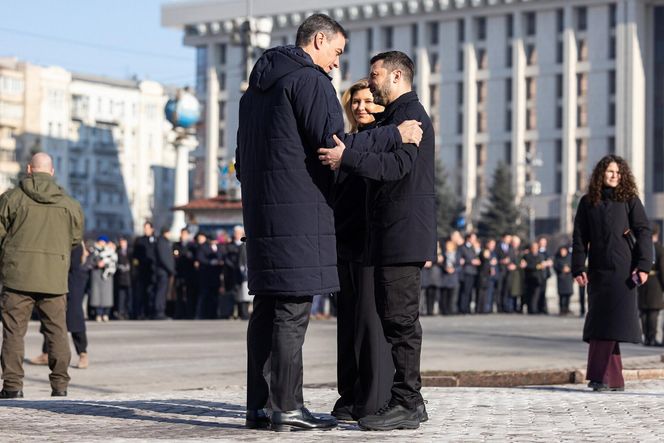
(651, 294)
(598, 235)
(289, 111)
(564, 279)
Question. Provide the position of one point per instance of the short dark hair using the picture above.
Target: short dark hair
(318, 23)
(393, 60)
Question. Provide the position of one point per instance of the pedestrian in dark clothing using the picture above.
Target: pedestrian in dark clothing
(401, 204)
(502, 286)
(122, 281)
(450, 279)
(289, 110)
(164, 271)
(651, 298)
(364, 362)
(604, 220)
(547, 264)
(432, 280)
(39, 226)
(186, 285)
(235, 273)
(205, 263)
(533, 278)
(471, 264)
(143, 262)
(565, 282)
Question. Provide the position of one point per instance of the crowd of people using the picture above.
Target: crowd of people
(197, 277)
(496, 275)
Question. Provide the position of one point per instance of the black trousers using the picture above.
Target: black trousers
(364, 360)
(649, 324)
(142, 294)
(80, 340)
(431, 295)
(158, 302)
(275, 336)
(466, 295)
(397, 299)
(122, 297)
(446, 305)
(563, 303)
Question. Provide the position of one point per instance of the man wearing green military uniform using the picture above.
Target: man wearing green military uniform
(39, 225)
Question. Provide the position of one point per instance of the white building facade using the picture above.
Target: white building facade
(108, 140)
(546, 87)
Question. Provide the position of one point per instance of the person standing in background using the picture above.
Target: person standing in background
(565, 282)
(143, 262)
(651, 299)
(122, 281)
(164, 271)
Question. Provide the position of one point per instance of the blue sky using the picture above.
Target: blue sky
(117, 38)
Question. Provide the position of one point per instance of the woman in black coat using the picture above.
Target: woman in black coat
(615, 267)
(562, 264)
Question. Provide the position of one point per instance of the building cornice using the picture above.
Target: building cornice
(225, 18)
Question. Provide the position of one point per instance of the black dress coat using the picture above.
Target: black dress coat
(401, 197)
(564, 279)
(79, 274)
(651, 293)
(289, 111)
(598, 234)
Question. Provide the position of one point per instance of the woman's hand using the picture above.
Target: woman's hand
(582, 279)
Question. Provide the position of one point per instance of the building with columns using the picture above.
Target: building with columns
(546, 86)
(107, 137)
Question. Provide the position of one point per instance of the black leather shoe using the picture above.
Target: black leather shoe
(11, 394)
(392, 416)
(344, 413)
(257, 419)
(56, 393)
(600, 387)
(422, 411)
(300, 420)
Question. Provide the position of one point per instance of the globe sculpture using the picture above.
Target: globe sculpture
(183, 111)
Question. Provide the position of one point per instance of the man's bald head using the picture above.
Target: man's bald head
(41, 162)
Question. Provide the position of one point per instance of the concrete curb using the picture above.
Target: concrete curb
(507, 379)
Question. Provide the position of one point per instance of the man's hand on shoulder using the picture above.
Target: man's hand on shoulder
(332, 156)
(410, 132)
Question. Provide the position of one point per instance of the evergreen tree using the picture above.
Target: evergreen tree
(447, 203)
(501, 214)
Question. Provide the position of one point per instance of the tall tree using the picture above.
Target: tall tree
(501, 215)
(447, 202)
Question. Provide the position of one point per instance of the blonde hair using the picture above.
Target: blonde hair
(346, 100)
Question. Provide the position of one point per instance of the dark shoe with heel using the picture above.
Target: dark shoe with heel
(422, 411)
(56, 393)
(4, 394)
(257, 419)
(393, 416)
(344, 413)
(300, 420)
(602, 387)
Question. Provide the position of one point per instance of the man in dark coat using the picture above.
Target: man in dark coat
(471, 264)
(651, 300)
(122, 281)
(185, 278)
(534, 277)
(565, 282)
(402, 233)
(289, 110)
(164, 270)
(205, 262)
(143, 261)
(502, 285)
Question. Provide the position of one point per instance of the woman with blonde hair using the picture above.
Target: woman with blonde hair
(611, 229)
(364, 366)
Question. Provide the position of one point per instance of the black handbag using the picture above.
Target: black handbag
(628, 234)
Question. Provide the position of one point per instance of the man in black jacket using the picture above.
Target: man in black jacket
(402, 232)
(288, 111)
(164, 269)
(143, 261)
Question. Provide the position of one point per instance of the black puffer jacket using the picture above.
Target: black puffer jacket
(289, 111)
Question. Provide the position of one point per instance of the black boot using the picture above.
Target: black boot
(300, 419)
(4, 394)
(257, 419)
(56, 393)
(393, 416)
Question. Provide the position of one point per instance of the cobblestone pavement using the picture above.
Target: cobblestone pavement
(563, 413)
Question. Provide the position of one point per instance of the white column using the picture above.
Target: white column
(631, 87)
(569, 164)
(211, 126)
(470, 120)
(518, 110)
(181, 194)
(423, 68)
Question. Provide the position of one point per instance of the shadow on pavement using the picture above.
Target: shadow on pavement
(145, 410)
(584, 390)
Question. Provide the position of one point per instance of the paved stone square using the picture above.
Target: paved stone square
(183, 381)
